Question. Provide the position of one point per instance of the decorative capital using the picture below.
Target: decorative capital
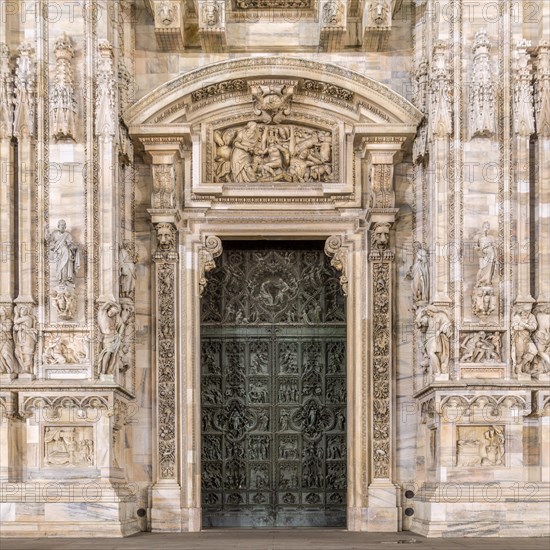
(338, 253)
(212, 249)
(63, 48)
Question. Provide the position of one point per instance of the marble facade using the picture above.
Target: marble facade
(412, 137)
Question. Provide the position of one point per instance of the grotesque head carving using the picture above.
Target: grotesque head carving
(381, 236)
(166, 238)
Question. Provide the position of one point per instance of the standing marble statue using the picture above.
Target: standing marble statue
(524, 349)
(438, 327)
(127, 262)
(488, 257)
(419, 274)
(64, 253)
(24, 329)
(7, 359)
(109, 320)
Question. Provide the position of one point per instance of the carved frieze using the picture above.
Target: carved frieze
(6, 93)
(266, 153)
(482, 97)
(62, 95)
(480, 446)
(282, 5)
(64, 350)
(164, 186)
(69, 446)
(25, 91)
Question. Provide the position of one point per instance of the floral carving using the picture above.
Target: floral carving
(62, 98)
(164, 185)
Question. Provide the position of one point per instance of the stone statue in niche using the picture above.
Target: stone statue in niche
(483, 294)
(62, 100)
(524, 350)
(541, 337)
(262, 153)
(481, 347)
(64, 253)
(272, 101)
(127, 258)
(438, 329)
(7, 359)
(68, 446)
(419, 274)
(25, 336)
(110, 322)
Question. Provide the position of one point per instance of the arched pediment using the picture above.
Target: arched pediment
(326, 88)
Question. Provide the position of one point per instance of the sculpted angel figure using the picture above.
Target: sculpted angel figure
(419, 274)
(64, 253)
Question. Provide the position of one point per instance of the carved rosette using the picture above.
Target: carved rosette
(165, 275)
(212, 249)
(381, 258)
(338, 254)
(6, 94)
(25, 91)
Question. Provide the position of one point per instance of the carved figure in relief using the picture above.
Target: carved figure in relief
(109, 322)
(53, 354)
(64, 302)
(379, 13)
(419, 274)
(62, 447)
(523, 326)
(127, 261)
(481, 348)
(493, 449)
(211, 14)
(64, 253)
(25, 336)
(62, 100)
(332, 14)
(541, 337)
(244, 147)
(7, 359)
(6, 93)
(438, 327)
(479, 447)
(488, 257)
(483, 301)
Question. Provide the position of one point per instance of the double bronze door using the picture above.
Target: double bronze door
(273, 394)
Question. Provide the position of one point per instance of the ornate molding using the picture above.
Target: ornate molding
(56, 403)
(338, 254)
(212, 249)
(62, 95)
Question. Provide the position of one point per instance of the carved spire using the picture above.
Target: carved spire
(105, 103)
(25, 90)
(338, 253)
(524, 120)
(63, 102)
(207, 255)
(441, 122)
(6, 93)
(542, 101)
(482, 90)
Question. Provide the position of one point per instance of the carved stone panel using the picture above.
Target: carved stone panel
(69, 446)
(273, 390)
(480, 446)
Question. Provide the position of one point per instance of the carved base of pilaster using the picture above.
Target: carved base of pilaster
(166, 514)
(383, 514)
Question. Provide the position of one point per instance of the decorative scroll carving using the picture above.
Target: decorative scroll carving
(482, 97)
(25, 90)
(338, 253)
(86, 406)
(419, 274)
(438, 330)
(212, 249)
(69, 446)
(127, 258)
(164, 186)
(272, 4)
(440, 119)
(166, 241)
(262, 153)
(62, 350)
(272, 101)
(6, 93)
(62, 99)
(480, 446)
(481, 347)
(25, 337)
(330, 90)
(523, 111)
(542, 98)
(7, 358)
(166, 369)
(106, 116)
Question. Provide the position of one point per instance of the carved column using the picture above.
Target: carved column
(440, 130)
(166, 491)
(524, 127)
(7, 182)
(542, 103)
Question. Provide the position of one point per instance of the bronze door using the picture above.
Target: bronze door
(273, 395)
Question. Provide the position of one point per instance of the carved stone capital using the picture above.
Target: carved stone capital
(338, 252)
(212, 249)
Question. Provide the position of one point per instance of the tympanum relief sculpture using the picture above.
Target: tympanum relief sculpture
(483, 294)
(65, 255)
(68, 446)
(480, 446)
(284, 152)
(434, 321)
